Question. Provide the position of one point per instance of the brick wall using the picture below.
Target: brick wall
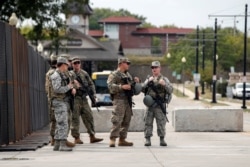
(130, 41)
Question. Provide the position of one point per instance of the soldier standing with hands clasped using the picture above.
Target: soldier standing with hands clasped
(62, 87)
(158, 90)
(119, 82)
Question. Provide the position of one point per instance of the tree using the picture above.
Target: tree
(44, 13)
(229, 50)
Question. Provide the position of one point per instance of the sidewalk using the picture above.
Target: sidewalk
(185, 149)
(190, 95)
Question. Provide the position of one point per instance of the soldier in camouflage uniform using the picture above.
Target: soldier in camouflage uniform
(164, 89)
(62, 87)
(121, 116)
(69, 75)
(81, 105)
(48, 87)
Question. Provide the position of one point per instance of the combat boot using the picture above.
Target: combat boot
(78, 140)
(52, 141)
(69, 144)
(147, 141)
(123, 142)
(56, 145)
(93, 139)
(162, 142)
(63, 146)
(112, 142)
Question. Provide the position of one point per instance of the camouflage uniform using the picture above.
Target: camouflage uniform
(60, 104)
(121, 116)
(81, 106)
(71, 78)
(48, 89)
(155, 111)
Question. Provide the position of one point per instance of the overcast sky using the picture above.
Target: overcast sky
(182, 13)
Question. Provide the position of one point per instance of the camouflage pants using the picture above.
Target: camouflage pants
(52, 121)
(161, 120)
(82, 108)
(121, 117)
(61, 114)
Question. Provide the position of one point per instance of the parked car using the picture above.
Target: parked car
(102, 93)
(237, 90)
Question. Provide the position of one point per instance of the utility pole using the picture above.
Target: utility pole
(197, 64)
(203, 61)
(245, 52)
(234, 16)
(244, 62)
(214, 64)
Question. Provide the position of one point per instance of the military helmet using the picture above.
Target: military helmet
(137, 88)
(148, 101)
(66, 56)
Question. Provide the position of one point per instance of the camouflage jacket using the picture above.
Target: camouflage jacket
(59, 83)
(162, 90)
(87, 81)
(116, 79)
(48, 85)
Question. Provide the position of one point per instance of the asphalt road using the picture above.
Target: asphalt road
(185, 149)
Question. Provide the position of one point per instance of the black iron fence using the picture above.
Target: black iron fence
(23, 101)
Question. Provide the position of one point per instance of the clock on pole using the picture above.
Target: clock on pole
(75, 19)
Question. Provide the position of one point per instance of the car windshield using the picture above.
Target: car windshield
(101, 85)
(241, 86)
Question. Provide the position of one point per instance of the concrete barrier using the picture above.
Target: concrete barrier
(207, 120)
(103, 123)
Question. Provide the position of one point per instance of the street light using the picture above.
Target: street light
(168, 55)
(183, 60)
(39, 48)
(46, 53)
(13, 20)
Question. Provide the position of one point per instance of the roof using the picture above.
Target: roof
(96, 33)
(120, 19)
(109, 50)
(163, 31)
(87, 10)
(93, 54)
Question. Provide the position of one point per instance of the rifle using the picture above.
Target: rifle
(71, 100)
(158, 99)
(87, 90)
(129, 93)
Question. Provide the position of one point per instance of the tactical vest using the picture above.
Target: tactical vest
(82, 74)
(65, 79)
(121, 79)
(161, 90)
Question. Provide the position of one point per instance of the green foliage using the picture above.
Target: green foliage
(145, 60)
(207, 73)
(222, 88)
(168, 26)
(44, 13)
(229, 50)
(148, 25)
(156, 45)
